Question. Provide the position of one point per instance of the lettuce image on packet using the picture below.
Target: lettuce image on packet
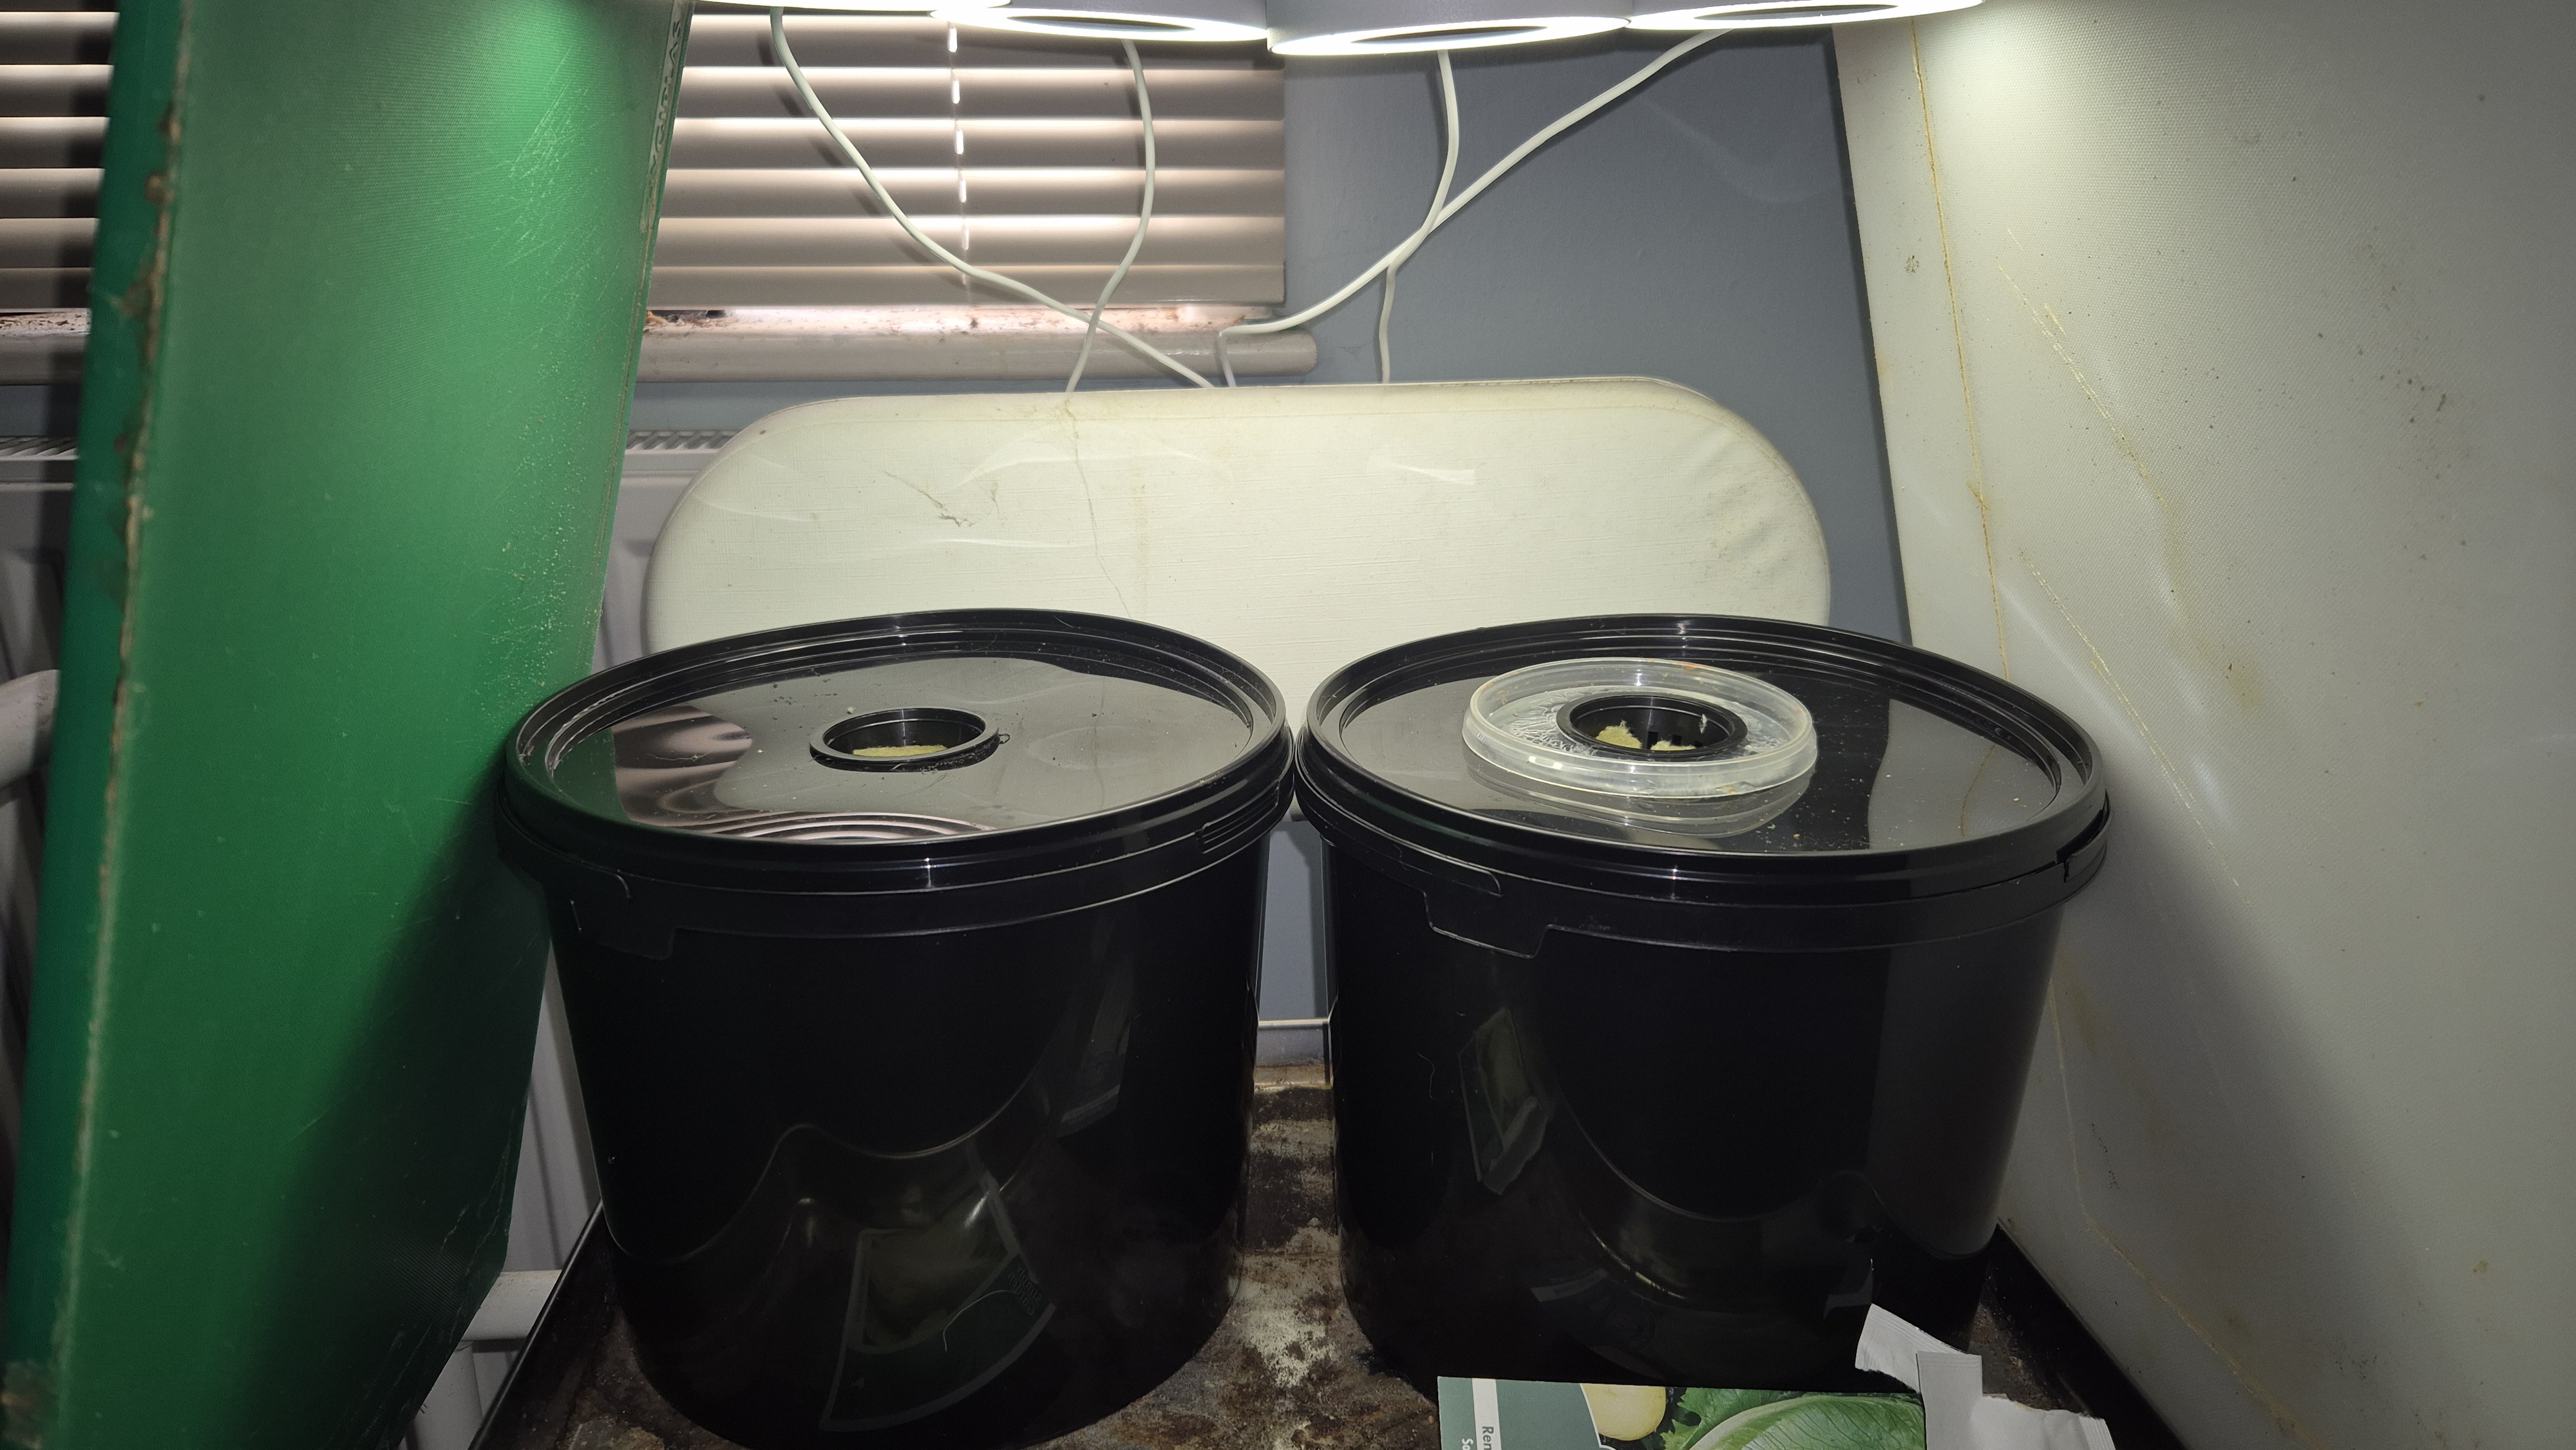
(1538, 1415)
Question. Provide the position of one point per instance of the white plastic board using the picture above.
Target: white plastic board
(1299, 526)
(2223, 352)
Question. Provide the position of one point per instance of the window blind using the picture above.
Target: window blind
(1022, 155)
(53, 115)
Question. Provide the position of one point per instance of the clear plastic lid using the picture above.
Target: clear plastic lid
(1663, 740)
(1742, 750)
(903, 747)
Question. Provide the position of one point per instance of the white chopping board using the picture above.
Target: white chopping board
(1301, 527)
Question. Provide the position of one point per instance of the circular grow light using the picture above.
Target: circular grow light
(1780, 14)
(858, 7)
(1201, 21)
(1392, 27)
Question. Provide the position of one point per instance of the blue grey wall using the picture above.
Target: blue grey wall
(1699, 230)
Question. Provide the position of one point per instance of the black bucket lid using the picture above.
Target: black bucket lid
(906, 753)
(1711, 761)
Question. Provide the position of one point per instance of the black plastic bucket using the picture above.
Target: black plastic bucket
(1638, 1081)
(910, 968)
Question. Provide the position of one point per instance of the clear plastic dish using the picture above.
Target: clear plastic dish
(1639, 736)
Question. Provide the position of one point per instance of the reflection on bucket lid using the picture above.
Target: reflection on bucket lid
(998, 736)
(1745, 738)
(906, 729)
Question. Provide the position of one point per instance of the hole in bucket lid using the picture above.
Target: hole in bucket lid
(919, 738)
(1651, 726)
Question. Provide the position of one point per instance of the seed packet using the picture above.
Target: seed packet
(1540, 1415)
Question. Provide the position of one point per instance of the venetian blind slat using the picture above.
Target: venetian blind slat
(1026, 91)
(1034, 191)
(56, 37)
(54, 191)
(716, 289)
(45, 241)
(53, 119)
(51, 141)
(722, 38)
(1022, 155)
(727, 143)
(999, 242)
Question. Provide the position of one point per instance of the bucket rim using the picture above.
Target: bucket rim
(1223, 803)
(2072, 823)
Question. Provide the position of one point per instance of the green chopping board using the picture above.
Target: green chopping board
(367, 290)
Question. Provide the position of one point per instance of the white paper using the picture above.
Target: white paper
(1889, 1344)
(1951, 1384)
(1957, 1414)
(2002, 1425)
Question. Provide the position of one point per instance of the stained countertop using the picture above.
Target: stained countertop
(1287, 1370)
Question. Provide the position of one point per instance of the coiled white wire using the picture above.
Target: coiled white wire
(1439, 194)
(903, 219)
(1144, 216)
(1454, 205)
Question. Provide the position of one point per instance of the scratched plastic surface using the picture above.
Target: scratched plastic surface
(1889, 774)
(1621, 1102)
(1076, 741)
(968, 1189)
(917, 1068)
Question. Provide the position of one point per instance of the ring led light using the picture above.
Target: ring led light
(1391, 27)
(1780, 14)
(864, 7)
(1206, 21)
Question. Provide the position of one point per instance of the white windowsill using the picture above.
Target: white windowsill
(888, 343)
(829, 343)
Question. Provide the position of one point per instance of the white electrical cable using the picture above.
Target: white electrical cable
(903, 219)
(1439, 194)
(1450, 209)
(1144, 216)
